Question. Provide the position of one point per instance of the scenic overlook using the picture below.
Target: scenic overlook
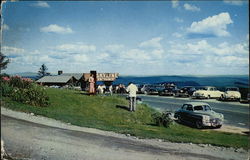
(125, 80)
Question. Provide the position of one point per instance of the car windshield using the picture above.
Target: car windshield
(232, 89)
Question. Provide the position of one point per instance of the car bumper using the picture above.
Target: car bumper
(213, 123)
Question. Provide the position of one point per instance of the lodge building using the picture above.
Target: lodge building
(77, 79)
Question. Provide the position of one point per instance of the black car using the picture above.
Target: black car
(168, 91)
(186, 91)
(154, 89)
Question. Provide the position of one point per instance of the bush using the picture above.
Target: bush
(163, 119)
(24, 90)
(6, 89)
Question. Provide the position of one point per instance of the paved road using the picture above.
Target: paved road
(235, 113)
(27, 140)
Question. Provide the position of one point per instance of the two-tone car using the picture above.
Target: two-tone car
(199, 114)
(231, 93)
(207, 92)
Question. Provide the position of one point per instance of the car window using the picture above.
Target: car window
(211, 89)
(184, 106)
(190, 108)
(207, 108)
(198, 108)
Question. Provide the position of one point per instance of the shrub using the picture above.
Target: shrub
(163, 119)
(19, 82)
(6, 89)
(24, 90)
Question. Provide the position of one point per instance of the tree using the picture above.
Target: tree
(3, 61)
(43, 71)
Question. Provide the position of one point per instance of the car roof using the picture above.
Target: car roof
(196, 103)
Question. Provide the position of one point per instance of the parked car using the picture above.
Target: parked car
(231, 93)
(185, 91)
(154, 89)
(207, 92)
(168, 91)
(199, 114)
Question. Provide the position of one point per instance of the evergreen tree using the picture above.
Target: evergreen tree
(43, 71)
(3, 61)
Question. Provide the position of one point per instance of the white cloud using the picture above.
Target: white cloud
(54, 28)
(233, 2)
(5, 27)
(41, 4)
(175, 3)
(215, 25)
(76, 48)
(190, 7)
(177, 35)
(80, 58)
(137, 55)
(153, 43)
(179, 20)
(10, 51)
(114, 47)
(204, 48)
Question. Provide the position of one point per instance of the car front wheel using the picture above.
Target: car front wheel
(198, 124)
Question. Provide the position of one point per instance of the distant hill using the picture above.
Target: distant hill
(241, 81)
(217, 81)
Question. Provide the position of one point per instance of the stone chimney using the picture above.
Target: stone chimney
(60, 72)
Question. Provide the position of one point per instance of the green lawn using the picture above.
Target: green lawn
(102, 112)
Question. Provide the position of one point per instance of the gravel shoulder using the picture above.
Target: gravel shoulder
(52, 139)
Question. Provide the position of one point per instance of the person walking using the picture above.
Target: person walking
(132, 89)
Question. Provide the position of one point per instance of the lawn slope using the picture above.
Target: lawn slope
(109, 113)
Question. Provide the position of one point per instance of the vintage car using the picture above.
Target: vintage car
(185, 91)
(231, 93)
(151, 89)
(207, 92)
(168, 91)
(199, 114)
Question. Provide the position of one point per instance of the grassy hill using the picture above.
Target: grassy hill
(109, 113)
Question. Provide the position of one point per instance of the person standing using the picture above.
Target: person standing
(111, 89)
(91, 85)
(132, 89)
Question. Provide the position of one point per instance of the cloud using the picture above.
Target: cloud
(75, 48)
(113, 48)
(12, 51)
(233, 2)
(153, 43)
(5, 27)
(190, 7)
(54, 28)
(215, 25)
(177, 35)
(175, 3)
(179, 20)
(41, 4)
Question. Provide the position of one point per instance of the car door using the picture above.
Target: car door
(187, 114)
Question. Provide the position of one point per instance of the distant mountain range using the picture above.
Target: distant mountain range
(217, 81)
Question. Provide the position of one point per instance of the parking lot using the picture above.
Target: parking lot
(235, 113)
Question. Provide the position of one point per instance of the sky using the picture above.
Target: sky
(127, 37)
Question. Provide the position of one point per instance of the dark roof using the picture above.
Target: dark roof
(55, 79)
(76, 75)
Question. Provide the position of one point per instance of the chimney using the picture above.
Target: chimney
(60, 72)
